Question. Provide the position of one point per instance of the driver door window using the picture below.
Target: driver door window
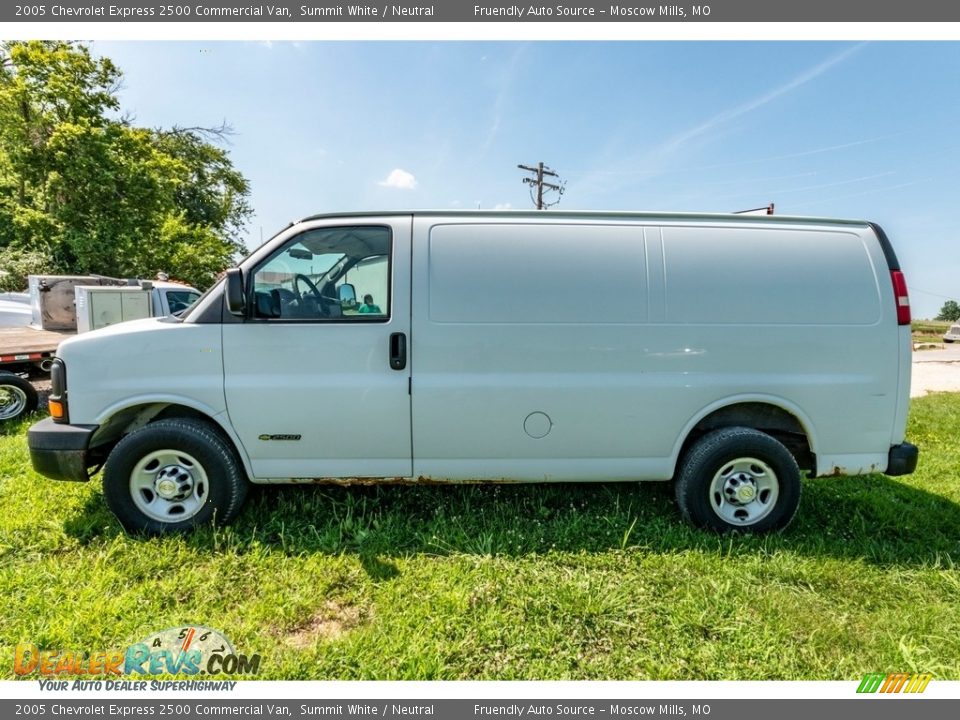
(326, 274)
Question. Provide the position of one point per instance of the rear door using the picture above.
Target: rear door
(316, 378)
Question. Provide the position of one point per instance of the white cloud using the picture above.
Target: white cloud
(270, 44)
(399, 179)
(503, 206)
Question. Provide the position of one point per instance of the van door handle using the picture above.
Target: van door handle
(398, 351)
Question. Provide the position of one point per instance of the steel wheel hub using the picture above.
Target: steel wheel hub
(740, 489)
(173, 483)
(169, 485)
(744, 491)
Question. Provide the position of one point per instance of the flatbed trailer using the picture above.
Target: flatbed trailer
(24, 348)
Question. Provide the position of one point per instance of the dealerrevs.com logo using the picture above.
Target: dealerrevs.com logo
(894, 682)
(185, 650)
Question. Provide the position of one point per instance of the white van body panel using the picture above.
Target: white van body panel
(540, 346)
(620, 337)
(904, 372)
(141, 362)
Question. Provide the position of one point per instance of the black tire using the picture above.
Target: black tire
(17, 397)
(738, 479)
(188, 453)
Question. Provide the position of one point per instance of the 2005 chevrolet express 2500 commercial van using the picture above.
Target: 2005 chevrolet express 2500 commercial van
(723, 352)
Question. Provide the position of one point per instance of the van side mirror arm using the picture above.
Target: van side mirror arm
(235, 296)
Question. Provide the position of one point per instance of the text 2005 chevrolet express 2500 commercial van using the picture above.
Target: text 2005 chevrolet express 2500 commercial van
(725, 353)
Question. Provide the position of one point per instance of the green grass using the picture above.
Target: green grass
(929, 330)
(505, 582)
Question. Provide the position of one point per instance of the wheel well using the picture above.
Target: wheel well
(770, 419)
(133, 418)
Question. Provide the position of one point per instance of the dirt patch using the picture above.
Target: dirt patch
(330, 622)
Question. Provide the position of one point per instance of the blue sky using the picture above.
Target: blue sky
(866, 130)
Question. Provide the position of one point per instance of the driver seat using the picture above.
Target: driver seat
(330, 301)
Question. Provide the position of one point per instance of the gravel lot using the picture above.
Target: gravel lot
(935, 371)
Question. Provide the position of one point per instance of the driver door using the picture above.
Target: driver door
(314, 387)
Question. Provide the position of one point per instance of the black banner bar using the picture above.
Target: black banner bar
(629, 11)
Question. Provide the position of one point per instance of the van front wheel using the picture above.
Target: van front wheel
(738, 479)
(173, 475)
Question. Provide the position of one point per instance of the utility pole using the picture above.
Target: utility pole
(541, 171)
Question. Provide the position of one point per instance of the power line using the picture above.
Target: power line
(541, 171)
(927, 292)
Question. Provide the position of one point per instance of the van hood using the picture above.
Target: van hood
(129, 329)
(139, 361)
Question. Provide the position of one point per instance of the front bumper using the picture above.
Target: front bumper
(61, 452)
(902, 459)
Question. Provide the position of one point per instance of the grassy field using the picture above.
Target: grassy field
(508, 582)
(929, 330)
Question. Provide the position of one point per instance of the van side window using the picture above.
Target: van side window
(339, 274)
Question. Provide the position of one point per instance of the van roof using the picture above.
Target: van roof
(599, 214)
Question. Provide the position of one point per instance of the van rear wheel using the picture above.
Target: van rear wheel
(173, 475)
(738, 479)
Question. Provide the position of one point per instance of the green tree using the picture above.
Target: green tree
(15, 265)
(88, 192)
(950, 311)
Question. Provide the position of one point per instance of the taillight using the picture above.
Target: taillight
(901, 297)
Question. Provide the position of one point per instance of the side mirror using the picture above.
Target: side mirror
(347, 294)
(236, 301)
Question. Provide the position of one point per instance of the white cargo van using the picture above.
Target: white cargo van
(725, 353)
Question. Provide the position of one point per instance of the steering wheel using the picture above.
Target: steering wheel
(309, 283)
